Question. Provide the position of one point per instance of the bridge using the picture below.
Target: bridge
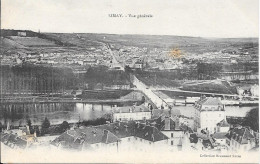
(59, 100)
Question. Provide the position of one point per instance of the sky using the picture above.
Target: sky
(199, 18)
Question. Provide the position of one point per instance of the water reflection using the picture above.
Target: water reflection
(56, 112)
(17, 114)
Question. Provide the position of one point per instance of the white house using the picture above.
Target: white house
(241, 139)
(208, 112)
(114, 137)
(131, 113)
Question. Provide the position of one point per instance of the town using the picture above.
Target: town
(98, 92)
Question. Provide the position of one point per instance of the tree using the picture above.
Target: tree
(252, 119)
(143, 99)
(128, 69)
(46, 123)
(64, 126)
(1, 126)
(29, 123)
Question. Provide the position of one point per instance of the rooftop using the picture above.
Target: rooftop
(209, 104)
(220, 135)
(240, 134)
(209, 101)
(107, 133)
(223, 123)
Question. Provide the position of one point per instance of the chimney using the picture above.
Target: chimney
(167, 123)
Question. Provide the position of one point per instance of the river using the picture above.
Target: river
(81, 111)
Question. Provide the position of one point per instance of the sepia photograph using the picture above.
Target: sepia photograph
(129, 81)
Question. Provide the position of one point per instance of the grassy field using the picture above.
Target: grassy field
(211, 86)
(31, 41)
(196, 45)
(187, 44)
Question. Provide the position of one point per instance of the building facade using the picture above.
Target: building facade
(208, 112)
(131, 113)
(241, 139)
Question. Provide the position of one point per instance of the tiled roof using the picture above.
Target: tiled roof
(220, 135)
(223, 123)
(107, 133)
(210, 101)
(87, 135)
(149, 133)
(132, 128)
(168, 124)
(186, 128)
(240, 134)
(9, 138)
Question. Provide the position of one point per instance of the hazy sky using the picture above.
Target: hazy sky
(205, 18)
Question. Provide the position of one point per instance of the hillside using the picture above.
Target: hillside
(86, 40)
(188, 44)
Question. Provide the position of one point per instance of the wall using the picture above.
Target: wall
(209, 119)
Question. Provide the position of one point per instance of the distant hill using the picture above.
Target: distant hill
(187, 44)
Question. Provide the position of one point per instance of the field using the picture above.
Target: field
(195, 45)
(187, 44)
(31, 41)
(215, 86)
(160, 82)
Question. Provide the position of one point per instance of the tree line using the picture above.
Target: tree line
(36, 79)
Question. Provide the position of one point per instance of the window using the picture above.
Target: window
(171, 142)
(172, 135)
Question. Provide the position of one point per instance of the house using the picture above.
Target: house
(171, 128)
(223, 126)
(131, 113)
(21, 33)
(19, 138)
(117, 136)
(220, 139)
(241, 139)
(86, 138)
(208, 112)
(220, 135)
(138, 65)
